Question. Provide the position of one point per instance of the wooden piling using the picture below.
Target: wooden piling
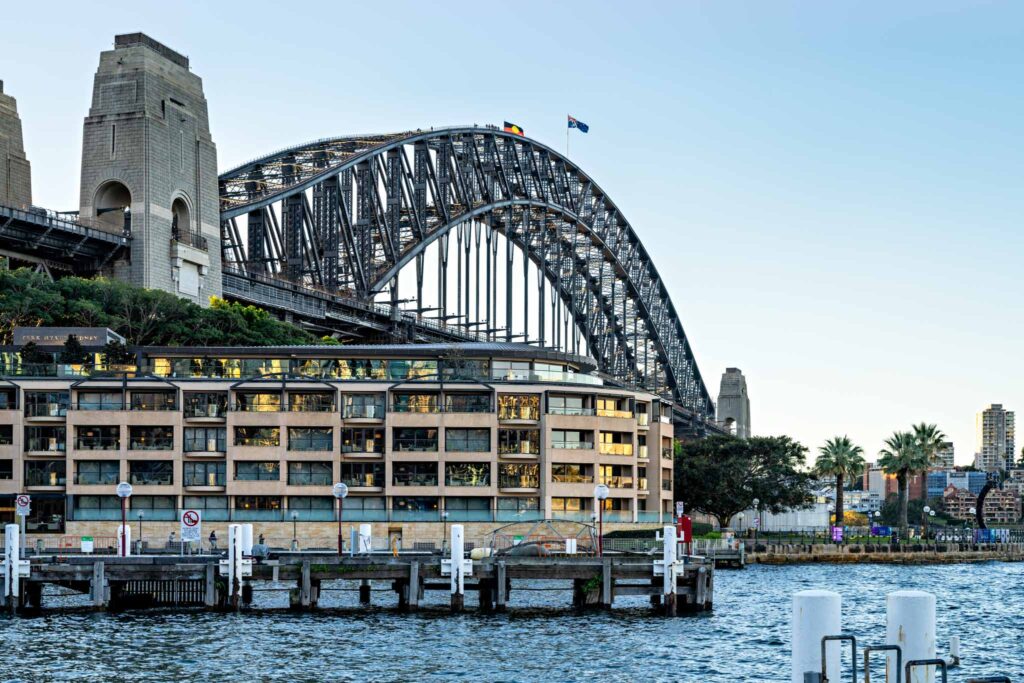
(606, 583)
(502, 587)
(98, 589)
(210, 586)
(415, 585)
(305, 588)
(364, 592)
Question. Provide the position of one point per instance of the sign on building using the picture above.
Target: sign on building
(191, 526)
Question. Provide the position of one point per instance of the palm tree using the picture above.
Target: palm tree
(839, 458)
(903, 456)
(929, 439)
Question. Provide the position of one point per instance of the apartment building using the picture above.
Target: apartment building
(485, 434)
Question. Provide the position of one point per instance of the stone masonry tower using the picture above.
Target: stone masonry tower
(734, 404)
(149, 166)
(15, 172)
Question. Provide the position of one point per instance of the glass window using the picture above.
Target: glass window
(257, 402)
(569, 404)
(6, 435)
(467, 474)
(412, 369)
(467, 440)
(310, 439)
(518, 475)
(568, 505)
(47, 403)
(153, 502)
(257, 502)
(518, 504)
(414, 504)
(617, 476)
(206, 404)
(312, 402)
(310, 473)
(362, 440)
(463, 368)
(257, 436)
(45, 438)
(205, 473)
(100, 400)
(572, 439)
(6, 469)
(571, 473)
(205, 502)
(414, 439)
(206, 439)
(362, 474)
(45, 473)
(414, 474)
(156, 438)
(103, 438)
(364, 406)
(8, 399)
(362, 369)
(467, 403)
(151, 472)
(616, 443)
(257, 471)
(310, 503)
(519, 441)
(518, 406)
(154, 400)
(97, 508)
(94, 472)
(510, 370)
(404, 402)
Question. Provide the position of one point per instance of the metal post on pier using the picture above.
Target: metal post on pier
(910, 623)
(458, 585)
(247, 540)
(670, 579)
(234, 566)
(12, 578)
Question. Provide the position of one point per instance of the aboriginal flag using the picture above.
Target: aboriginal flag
(513, 128)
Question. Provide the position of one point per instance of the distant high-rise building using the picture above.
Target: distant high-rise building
(734, 404)
(994, 439)
(944, 457)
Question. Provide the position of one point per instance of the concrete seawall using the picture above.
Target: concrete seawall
(942, 553)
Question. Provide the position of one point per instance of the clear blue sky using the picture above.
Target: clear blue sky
(832, 189)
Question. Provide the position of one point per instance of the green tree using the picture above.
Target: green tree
(839, 458)
(73, 352)
(722, 475)
(929, 439)
(902, 457)
(116, 353)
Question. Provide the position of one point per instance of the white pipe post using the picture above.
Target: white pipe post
(458, 552)
(669, 554)
(816, 614)
(124, 535)
(247, 540)
(910, 623)
(12, 582)
(365, 538)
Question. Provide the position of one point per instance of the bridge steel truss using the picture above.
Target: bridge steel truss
(344, 216)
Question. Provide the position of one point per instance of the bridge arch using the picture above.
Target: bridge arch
(349, 215)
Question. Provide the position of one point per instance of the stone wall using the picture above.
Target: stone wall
(15, 171)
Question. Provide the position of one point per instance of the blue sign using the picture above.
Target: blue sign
(881, 531)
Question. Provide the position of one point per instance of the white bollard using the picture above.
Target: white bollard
(910, 623)
(127, 540)
(234, 564)
(669, 556)
(458, 553)
(12, 540)
(247, 540)
(366, 538)
(816, 614)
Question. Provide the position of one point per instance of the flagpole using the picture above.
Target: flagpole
(566, 136)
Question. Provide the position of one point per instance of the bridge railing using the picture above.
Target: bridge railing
(60, 221)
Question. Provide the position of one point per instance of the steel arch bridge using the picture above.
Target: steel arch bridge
(344, 216)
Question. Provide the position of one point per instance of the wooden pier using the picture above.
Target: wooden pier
(200, 581)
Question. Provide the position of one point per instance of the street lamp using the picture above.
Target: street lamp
(124, 492)
(140, 530)
(757, 511)
(972, 511)
(340, 491)
(924, 522)
(600, 495)
(295, 519)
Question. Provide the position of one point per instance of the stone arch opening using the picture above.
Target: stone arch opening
(181, 218)
(113, 207)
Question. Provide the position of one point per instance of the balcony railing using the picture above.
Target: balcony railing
(364, 481)
(608, 412)
(148, 479)
(415, 445)
(404, 408)
(523, 448)
(211, 410)
(36, 478)
(530, 413)
(616, 448)
(641, 452)
(99, 405)
(206, 479)
(46, 410)
(572, 478)
(368, 448)
(50, 444)
(570, 410)
(643, 419)
(190, 239)
(151, 444)
(467, 481)
(309, 478)
(618, 482)
(506, 481)
(414, 479)
(369, 412)
(573, 445)
(98, 443)
(94, 479)
(468, 446)
(311, 405)
(310, 444)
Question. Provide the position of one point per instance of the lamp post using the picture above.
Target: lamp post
(140, 530)
(757, 516)
(931, 513)
(124, 492)
(924, 522)
(295, 540)
(600, 495)
(340, 491)
(972, 511)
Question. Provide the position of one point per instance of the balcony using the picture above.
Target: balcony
(150, 479)
(530, 449)
(97, 478)
(618, 482)
(364, 412)
(309, 479)
(45, 444)
(571, 410)
(102, 404)
(98, 443)
(411, 445)
(616, 448)
(313, 443)
(46, 410)
(150, 444)
(643, 420)
(573, 445)
(190, 239)
(311, 404)
(572, 478)
(608, 412)
(641, 453)
(414, 479)
(468, 446)
(518, 482)
(530, 414)
(44, 479)
(206, 411)
(405, 408)
(206, 480)
(364, 481)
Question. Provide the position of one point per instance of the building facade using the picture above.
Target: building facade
(1001, 506)
(482, 434)
(733, 408)
(945, 457)
(15, 171)
(994, 439)
(968, 481)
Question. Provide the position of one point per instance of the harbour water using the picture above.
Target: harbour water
(745, 638)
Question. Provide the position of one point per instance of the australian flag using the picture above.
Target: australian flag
(579, 125)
